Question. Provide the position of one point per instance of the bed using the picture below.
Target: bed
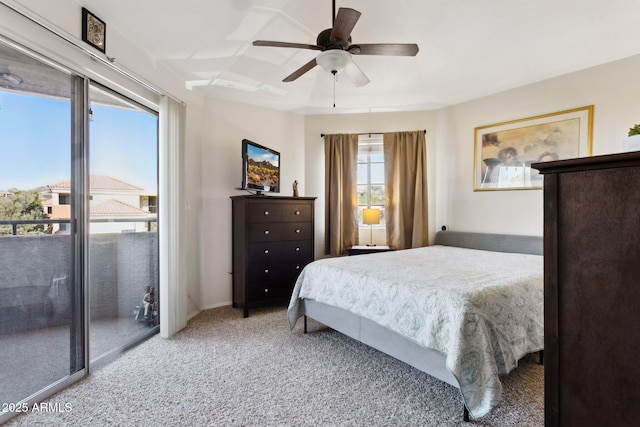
(464, 310)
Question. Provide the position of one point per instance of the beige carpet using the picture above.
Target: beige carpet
(224, 370)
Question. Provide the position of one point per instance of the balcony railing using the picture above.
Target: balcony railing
(37, 272)
(14, 223)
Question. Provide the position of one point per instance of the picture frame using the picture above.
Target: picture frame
(94, 30)
(504, 152)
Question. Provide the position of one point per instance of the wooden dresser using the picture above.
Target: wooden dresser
(592, 290)
(272, 242)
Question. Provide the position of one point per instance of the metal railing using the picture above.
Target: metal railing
(14, 223)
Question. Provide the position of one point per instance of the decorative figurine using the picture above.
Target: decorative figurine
(295, 188)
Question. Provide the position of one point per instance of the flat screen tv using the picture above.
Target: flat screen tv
(260, 168)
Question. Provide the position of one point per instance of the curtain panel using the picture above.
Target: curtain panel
(405, 158)
(171, 224)
(341, 199)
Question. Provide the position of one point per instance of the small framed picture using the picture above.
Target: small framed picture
(94, 30)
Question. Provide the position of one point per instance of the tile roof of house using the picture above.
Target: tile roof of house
(116, 207)
(101, 182)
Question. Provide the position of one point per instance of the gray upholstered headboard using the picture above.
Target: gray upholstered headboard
(491, 242)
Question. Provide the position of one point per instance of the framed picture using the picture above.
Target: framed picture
(94, 30)
(504, 151)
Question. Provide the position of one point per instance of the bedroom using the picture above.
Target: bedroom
(216, 127)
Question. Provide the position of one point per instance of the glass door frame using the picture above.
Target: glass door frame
(105, 358)
(79, 356)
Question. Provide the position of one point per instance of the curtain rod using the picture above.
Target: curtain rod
(322, 135)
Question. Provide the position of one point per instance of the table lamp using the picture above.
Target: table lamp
(370, 217)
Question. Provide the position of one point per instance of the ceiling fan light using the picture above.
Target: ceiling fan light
(334, 60)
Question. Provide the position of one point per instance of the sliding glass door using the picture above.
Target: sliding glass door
(41, 320)
(78, 226)
(123, 239)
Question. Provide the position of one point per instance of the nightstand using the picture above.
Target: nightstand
(359, 250)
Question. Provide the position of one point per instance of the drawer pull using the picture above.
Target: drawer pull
(297, 267)
(266, 290)
(266, 251)
(298, 231)
(297, 249)
(266, 212)
(297, 212)
(266, 231)
(266, 271)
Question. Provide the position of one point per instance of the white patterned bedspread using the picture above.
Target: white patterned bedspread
(483, 310)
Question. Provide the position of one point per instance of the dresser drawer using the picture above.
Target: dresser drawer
(265, 271)
(293, 249)
(277, 270)
(275, 232)
(296, 212)
(294, 269)
(264, 212)
(264, 291)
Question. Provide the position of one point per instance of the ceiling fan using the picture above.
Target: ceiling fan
(336, 48)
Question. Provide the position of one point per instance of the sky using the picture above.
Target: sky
(35, 147)
(259, 155)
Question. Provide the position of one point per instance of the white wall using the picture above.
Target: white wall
(225, 125)
(611, 88)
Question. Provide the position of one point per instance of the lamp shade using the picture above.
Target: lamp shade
(333, 60)
(370, 216)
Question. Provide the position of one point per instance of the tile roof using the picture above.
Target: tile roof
(101, 182)
(116, 207)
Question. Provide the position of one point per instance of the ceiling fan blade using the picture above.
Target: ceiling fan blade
(286, 44)
(300, 71)
(343, 25)
(355, 74)
(384, 49)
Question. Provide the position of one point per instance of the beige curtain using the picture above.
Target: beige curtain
(341, 200)
(405, 159)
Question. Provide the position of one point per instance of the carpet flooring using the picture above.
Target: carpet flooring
(224, 370)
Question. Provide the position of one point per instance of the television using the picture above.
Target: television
(260, 168)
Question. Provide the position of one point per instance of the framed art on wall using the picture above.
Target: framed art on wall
(504, 151)
(94, 30)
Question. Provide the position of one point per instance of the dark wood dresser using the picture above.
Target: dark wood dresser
(592, 290)
(272, 242)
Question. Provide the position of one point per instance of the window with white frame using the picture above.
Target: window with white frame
(371, 187)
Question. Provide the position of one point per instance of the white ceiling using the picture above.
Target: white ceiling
(468, 48)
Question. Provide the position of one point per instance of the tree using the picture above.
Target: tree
(23, 205)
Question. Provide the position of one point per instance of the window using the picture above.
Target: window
(371, 189)
(153, 204)
(64, 199)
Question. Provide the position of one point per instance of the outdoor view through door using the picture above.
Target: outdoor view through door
(62, 246)
(39, 331)
(123, 238)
